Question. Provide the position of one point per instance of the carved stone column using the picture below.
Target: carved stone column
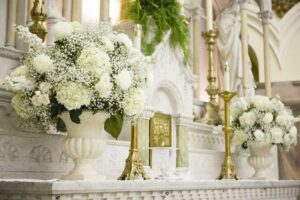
(53, 17)
(11, 20)
(266, 17)
(77, 10)
(196, 48)
(67, 10)
(143, 136)
(104, 11)
(244, 38)
(182, 137)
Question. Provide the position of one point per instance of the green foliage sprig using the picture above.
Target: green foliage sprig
(165, 14)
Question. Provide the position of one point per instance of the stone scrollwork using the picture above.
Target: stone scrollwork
(40, 154)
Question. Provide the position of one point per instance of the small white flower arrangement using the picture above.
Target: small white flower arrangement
(87, 68)
(263, 120)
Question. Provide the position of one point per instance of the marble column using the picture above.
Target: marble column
(53, 17)
(182, 141)
(29, 7)
(266, 17)
(104, 11)
(196, 48)
(143, 136)
(244, 38)
(67, 10)
(11, 20)
(77, 10)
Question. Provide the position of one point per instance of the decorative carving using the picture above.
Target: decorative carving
(40, 154)
(63, 158)
(160, 130)
(9, 152)
(281, 7)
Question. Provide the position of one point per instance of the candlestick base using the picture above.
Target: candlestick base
(228, 170)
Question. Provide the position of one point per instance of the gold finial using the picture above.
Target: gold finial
(38, 16)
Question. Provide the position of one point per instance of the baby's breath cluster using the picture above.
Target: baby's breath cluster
(263, 120)
(87, 68)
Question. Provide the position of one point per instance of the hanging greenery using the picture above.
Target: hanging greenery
(166, 15)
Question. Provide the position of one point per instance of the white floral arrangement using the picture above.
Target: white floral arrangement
(88, 67)
(262, 119)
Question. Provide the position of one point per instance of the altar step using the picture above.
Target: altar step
(149, 190)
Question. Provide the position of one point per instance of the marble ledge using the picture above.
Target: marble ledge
(9, 52)
(12, 186)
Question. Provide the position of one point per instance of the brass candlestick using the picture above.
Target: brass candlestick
(228, 170)
(134, 166)
(212, 115)
(38, 16)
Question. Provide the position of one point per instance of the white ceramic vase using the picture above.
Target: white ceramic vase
(84, 144)
(260, 159)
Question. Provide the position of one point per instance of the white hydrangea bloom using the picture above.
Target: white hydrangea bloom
(62, 29)
(18, 83)
(277, 135)
(94, 60)
(45, 87)
(104, 86)
(284, 119)
(20, 71)
(135, 102)
(124, 39)
(239, 137)
(107, 43)
(42, 64)
(261, 102)
(40, 99)
(19, 106)
(73, 95)
(247, 119)
(268, 118)
(238, 105)
(124, 79)
(259, 135)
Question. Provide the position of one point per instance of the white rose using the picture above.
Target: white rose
(62, 29)
(36, 101)
(104, 86)
(259, 135)
(45, 87)
(44, 99)
(40, 99)
(247, 119)
(42, 64)
(135, 102)
(268, 118)
(239, 137)
(277, 135)
(124, 80)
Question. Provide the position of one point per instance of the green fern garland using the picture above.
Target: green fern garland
(166, 16)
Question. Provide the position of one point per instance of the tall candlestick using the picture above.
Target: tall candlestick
(226, 78)
(137, 38)
(209, 15)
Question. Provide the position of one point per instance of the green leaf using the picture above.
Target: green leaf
(74, 115)
(113, 125)
(61, 126)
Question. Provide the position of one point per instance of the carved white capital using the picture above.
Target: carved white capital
(265, 16)
(244, 4)
(147, 114)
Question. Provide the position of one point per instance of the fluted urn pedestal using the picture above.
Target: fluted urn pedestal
(84, 144)
(260, 159)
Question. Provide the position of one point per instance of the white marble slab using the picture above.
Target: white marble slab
(152, 189)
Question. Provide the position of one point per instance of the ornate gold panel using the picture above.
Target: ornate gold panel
(160, 130)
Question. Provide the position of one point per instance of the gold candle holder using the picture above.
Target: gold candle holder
(212, 115)
(134, 166)
(228, 170)
(38, 16)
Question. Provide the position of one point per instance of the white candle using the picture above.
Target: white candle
(137, 38)
(209, 15)
(226, 78)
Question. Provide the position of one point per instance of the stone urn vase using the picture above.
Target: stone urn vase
(84, 144)
(260, 159)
